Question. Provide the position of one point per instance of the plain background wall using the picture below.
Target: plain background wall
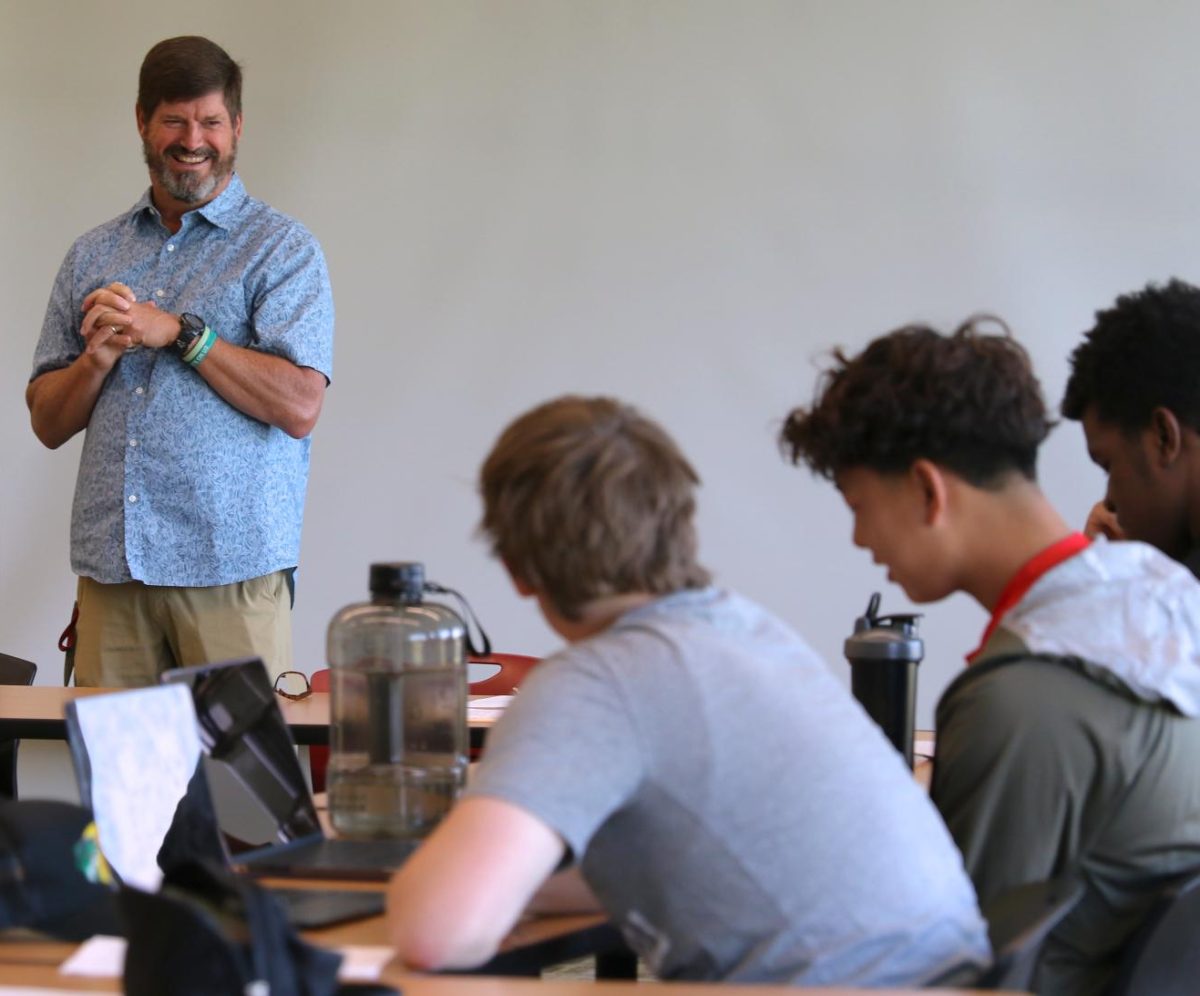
(685, 204)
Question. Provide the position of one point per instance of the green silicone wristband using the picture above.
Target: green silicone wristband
(200, 350)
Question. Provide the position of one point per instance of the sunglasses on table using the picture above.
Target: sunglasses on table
(293, 685)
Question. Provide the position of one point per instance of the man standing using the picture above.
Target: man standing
(1135, 386)
(198, 371)
(1069, 745)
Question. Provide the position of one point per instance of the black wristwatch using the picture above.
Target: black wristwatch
(191, 327)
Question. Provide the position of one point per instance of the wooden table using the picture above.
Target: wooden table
(34, 965)
(533, 944)
(35, 712)
(34, 977)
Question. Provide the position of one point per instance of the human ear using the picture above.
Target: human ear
(1167, 435)
(931, 482)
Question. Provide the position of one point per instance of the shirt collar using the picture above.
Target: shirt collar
(219, 211)
(1024, 579)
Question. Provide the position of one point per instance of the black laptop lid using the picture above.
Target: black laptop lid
(252, 756)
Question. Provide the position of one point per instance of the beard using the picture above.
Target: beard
(188, 187)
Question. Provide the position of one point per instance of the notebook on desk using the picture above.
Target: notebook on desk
(252, 757)
(139, 763)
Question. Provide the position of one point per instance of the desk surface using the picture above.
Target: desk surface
(37, 977)
(534, 943)
(35, 712)
(35, 965)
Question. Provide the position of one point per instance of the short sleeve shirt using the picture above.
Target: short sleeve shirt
(176, 486)
(732, 807)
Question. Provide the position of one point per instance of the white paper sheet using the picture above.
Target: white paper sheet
(488, 708)
(100, 957)
(363, 964)
(39, 991)
(491, 702)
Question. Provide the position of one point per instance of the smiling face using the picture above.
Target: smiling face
(1146, 493)
(190, 147)
(892, 520)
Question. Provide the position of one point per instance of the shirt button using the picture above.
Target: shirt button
(170, 247)
(139, 390)
(133, 442)
(132, 499)
(160, 293)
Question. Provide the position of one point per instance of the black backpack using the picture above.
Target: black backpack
(41, 885)
(210, 931)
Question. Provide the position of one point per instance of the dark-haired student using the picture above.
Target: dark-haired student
(1070, 743)
(1135, 387)
(713, 787)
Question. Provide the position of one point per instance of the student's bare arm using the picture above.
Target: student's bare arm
(456, 898)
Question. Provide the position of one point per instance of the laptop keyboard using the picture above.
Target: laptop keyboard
(323, 907)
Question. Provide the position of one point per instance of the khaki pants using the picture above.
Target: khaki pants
(128, 634)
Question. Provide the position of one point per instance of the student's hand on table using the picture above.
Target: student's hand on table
(1102, 521)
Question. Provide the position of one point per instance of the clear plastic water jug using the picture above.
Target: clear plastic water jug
(398, 731)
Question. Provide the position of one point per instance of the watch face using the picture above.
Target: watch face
(191, 323)
(190, 327)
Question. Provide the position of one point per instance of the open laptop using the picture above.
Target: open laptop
(140, 767)
(252, 759)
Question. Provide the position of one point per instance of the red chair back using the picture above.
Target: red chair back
(513, 668)
(318, 757)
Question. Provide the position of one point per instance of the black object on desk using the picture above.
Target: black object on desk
(884, 652)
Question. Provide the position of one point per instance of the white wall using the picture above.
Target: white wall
(680, 203)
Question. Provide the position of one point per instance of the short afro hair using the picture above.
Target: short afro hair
(1143, 353)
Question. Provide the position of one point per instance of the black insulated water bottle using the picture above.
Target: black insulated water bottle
(884, 652)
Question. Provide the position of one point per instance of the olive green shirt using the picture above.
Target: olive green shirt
(1044, 769)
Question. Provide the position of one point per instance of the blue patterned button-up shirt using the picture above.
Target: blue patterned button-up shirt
(176, 486)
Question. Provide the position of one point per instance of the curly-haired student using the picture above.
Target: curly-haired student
(1069, 744)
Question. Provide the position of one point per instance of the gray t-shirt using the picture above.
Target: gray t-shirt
(736, 812)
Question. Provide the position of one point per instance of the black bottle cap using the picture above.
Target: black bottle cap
(884, 638)
(405, 579)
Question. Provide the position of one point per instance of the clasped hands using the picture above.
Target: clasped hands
(115, 321)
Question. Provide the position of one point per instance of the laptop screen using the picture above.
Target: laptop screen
(137, 757)
(260, 790)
